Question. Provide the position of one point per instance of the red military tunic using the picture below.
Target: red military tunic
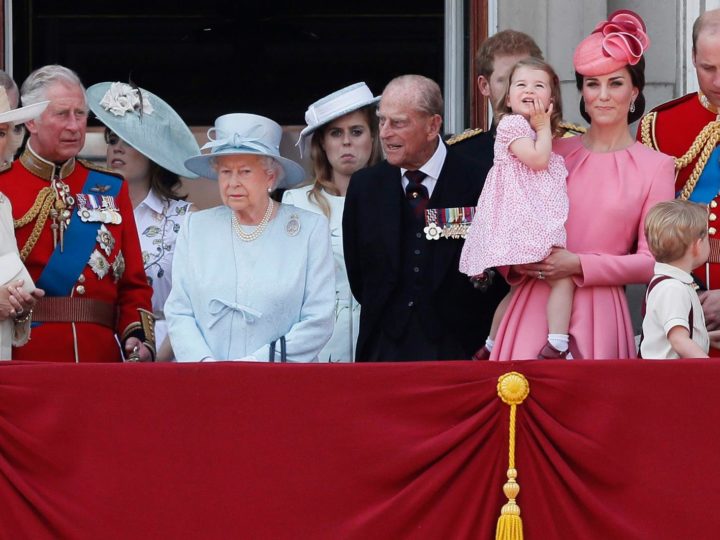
(103, 276)
(672, 128)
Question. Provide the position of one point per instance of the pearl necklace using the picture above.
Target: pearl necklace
(259, 229)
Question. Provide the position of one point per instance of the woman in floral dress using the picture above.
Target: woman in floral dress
(147, 143)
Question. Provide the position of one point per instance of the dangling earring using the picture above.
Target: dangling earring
(632, 106)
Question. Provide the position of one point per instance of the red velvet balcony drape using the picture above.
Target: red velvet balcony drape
(605, 450)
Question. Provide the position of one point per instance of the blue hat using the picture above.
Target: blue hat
(145, 122)
(240, 134)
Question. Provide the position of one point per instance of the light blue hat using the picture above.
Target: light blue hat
(145, 122)
(243, 133)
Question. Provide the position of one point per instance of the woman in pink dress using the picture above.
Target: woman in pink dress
(613, 181)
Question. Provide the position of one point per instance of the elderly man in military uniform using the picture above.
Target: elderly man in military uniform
(688, 129)
(76, 233)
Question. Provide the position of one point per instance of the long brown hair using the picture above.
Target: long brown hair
(162, 181)
(503, 109)
(322, 168)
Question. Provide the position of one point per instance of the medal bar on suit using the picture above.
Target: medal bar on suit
(448, 222)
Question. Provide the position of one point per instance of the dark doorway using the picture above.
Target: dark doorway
(210, 57)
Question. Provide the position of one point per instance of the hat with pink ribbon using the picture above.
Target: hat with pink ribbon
(614, 44)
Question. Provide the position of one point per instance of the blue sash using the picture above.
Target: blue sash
(708, 184)
(63, 268)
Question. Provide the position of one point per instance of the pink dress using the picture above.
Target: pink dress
(610, 193)
(521, 213)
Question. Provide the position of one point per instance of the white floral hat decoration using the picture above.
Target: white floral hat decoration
(243, 133)
(339, 103)
(145, 122)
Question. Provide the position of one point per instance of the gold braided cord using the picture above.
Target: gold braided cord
(710, 135)
(511, 442)
(42, 215)
(34, 209)
(701, 148)
(646, 124)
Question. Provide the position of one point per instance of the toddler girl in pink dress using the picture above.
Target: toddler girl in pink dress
(522, 209)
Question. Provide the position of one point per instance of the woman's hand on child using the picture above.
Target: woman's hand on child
(559, 264)
(540, 118)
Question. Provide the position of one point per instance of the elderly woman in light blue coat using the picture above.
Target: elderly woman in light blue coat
(252, 279)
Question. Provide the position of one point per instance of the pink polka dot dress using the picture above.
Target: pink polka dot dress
(521, 212)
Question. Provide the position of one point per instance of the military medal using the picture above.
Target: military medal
(61, 211)
(98, 208)
(432, 231)
(105, 239)
(99, 264)
(118, 266)
(448, 222)
(293, 225)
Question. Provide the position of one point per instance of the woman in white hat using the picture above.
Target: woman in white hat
(252, 279)
(14, 315)
(343, 133)
(148, 143)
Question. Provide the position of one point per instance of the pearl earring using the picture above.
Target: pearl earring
(632, 106)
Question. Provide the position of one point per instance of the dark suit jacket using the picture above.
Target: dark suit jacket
(480, 148)
(372, 238)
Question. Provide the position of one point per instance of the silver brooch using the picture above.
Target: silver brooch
(293, 225)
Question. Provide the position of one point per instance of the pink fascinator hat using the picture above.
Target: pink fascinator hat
(615, 43)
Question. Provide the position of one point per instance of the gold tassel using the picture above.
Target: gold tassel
(512, 388)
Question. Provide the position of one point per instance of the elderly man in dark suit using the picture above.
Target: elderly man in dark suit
(415, 304)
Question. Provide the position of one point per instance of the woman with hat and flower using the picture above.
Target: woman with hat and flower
(148, 144)
(14, 324)
(252, 279)
(613, 181)
(343, 133)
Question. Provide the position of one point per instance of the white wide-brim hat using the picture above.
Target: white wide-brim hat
(344, 101)
(21, 114)
(145, 122)
(241, 134)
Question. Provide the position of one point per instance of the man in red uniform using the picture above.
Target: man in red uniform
(76, 232)
(688, 129)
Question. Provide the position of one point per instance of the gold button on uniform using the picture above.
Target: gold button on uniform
(81, 279)
(712, 217)
(80, 289)
(712, 231)
(713, 204)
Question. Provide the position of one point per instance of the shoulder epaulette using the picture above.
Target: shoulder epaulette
(467, 134)
(95, 167)
(675, 102)
(572, 129)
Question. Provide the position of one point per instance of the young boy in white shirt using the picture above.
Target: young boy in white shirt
(674, 324)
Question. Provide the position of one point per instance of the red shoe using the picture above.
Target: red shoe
(483, 353)
(548, 352)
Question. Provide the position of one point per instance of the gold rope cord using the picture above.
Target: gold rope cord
(40, 210)
(512, 389)
(701, 148)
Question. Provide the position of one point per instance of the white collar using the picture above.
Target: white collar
(154, 202)
(674, 272)
(434, 165)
